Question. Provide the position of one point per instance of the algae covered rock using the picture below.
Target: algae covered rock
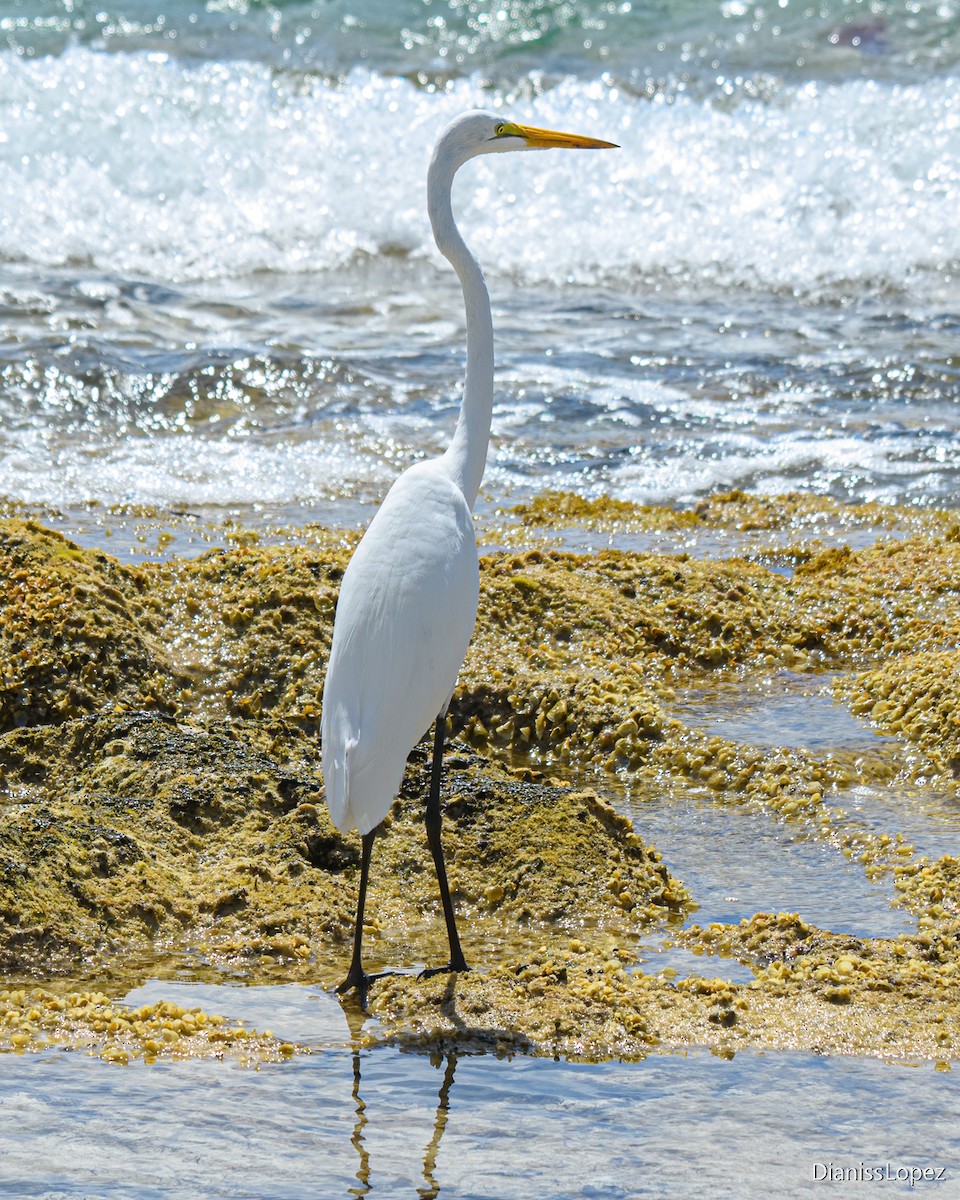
(527, 859)
(72, 633)
(573, 655)
(160, 789)
(138, 829)
(917, 697)
(249, 628)
(129, 829)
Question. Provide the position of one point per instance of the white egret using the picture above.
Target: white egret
(408, 599)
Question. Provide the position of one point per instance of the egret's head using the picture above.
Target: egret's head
(487, 133)
(508, 135)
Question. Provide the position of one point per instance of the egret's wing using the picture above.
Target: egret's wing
(407, 607)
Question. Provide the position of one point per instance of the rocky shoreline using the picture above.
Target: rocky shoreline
(161, 800)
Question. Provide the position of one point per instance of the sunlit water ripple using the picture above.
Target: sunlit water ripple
(223, 291)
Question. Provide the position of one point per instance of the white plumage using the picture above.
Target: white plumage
(405, 615)
(408, 600)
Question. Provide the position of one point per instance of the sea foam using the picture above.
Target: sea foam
(142, 165)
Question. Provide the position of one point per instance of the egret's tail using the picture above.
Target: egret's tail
(360, 787)
(336, 780)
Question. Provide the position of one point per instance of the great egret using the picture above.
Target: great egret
(408, 599)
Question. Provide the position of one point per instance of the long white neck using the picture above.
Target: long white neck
(467, 453)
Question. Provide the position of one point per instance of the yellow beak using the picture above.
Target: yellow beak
(546, 139)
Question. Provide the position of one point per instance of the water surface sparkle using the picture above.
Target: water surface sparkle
(385, 1123)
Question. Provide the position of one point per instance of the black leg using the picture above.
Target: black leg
(355, 976)
(432, 820)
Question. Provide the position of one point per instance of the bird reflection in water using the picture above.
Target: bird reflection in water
(430, 1188)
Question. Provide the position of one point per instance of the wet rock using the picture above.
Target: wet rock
(160, 790)
(72, 632)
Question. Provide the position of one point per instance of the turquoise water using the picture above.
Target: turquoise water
(683, 42)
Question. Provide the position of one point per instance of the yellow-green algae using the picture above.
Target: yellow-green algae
(146, 829)
(159, 762)
(36, 1018)
(921, 703)
(842, 996)
(802, 513)
(72, 633)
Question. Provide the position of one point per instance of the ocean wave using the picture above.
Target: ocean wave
(141, 165)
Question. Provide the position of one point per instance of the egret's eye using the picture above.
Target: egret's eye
(500, 130)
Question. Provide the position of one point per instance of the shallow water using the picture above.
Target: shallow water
(135, 533)
(928, 818)
(787, 709)
(737, 863)
(389, 1124)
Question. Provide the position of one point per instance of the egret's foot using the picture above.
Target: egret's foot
(359, 981)
(448, 968)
